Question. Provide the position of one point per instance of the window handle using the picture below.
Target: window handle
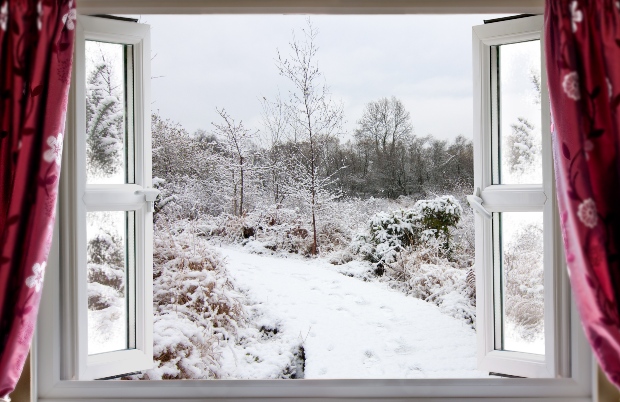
(150, 195)
(476, 203)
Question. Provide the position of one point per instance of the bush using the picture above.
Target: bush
(389, 233)
(426, 275)
(277, 229)
(196, 307)
(413, 251)
(106, 248)
(524, 281)
(108, 276)
(106, 273)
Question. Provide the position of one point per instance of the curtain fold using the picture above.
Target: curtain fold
(583, 68)
(36, 50)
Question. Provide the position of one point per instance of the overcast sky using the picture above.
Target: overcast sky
(203, 62)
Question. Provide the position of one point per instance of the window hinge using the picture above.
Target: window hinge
(476, 203)
(150, 195)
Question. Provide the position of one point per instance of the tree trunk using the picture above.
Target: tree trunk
(313, 173)
(314, 241)
(234, 194)
(242, 188)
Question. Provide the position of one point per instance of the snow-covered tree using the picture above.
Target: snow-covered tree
(522, 149)
(314, 119)
(237, 145)
(188, 170)
(536, 83)
(104, 120)
(275, 122)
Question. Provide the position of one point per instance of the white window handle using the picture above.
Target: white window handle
(150, 195)
(476, 203)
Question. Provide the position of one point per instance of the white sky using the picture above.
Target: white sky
(205, 61)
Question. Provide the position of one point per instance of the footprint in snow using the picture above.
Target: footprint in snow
(403, 349)
(370, 357)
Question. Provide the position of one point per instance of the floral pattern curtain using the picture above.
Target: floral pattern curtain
(583, 69)
(36, 49)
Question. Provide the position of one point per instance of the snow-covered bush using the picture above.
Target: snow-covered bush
(438, 217)
(278, 229)
(340, 257)
(105, 289)
(523, 278)
(464, 240)
(287, 228)
(196, 307)
(106, 271)
(389, 233)
(414, 251)
(425, 274)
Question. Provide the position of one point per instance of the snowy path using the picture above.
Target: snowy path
(351, 328)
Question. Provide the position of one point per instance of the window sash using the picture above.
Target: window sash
(515, 198)
(78, 198)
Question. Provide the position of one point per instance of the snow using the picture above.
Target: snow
(349, 328)
(107, 329)
(515, 342)
(257, 247)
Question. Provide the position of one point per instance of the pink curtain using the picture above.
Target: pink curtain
(583, 68)
(36, 48)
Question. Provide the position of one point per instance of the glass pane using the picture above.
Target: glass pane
(109, 113)
(517, 131)
(519, 281)
(110, 265)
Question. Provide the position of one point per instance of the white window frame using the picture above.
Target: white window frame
(50, 376)
(77, 198)
(516, 198)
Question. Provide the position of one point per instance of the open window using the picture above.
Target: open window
(518, 255)
(108, 203)
(105, 229)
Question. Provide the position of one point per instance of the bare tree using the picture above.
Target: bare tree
(385, 122)
(237, 143)
(386, 125)
(275, 121)
(190, 173)
(313, 119)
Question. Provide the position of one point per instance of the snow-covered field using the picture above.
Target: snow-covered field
(348, 328)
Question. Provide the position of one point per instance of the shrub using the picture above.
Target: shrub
(389, 233)
(278, 229)
(425, 274)
(108, 276)
(106, 248)
(524, 293)
(106, 271)
(196, 307)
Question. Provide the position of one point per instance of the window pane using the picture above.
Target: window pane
(517, 116)
(519, 300)
(109, 113)
(110, 264)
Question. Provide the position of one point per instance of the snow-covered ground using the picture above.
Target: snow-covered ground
(348, 328)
